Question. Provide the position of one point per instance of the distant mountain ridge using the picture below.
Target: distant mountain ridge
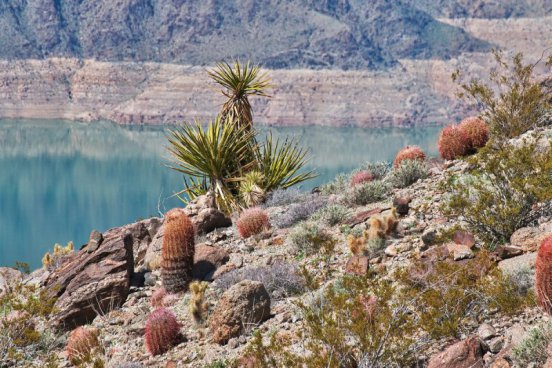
(344, 34)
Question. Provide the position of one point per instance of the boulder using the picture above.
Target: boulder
(459, 251)
(530, 238)
(243, 305)
(463, 354)
(92, 281)
(507, 251)
(402, 204)
(9, 277)
(513, 265)
(207, 260)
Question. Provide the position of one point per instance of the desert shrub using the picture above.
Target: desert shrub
(378, 169)
(408, 172)
(336, 186)
(409, 153)
(299, 212)
(523, 280)
(453, 143)
(367, 193)
(283, 197)
(252, 221)
(361, 177)
(280, 279)
(533, 348)
(497, 196)
(476, 131)
(309, 238)
(331, 215)
(513, 102)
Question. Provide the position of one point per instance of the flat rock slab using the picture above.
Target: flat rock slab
(92, 281)
(513, 265)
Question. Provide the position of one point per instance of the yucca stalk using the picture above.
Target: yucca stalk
(239, 82)
(217, 153)
(281, 163)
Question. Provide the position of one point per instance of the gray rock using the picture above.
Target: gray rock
(9, 277)
(150, 279)
(486, 331)
(496, 344)
(512, 265)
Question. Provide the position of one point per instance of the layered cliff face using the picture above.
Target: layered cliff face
(345, 34)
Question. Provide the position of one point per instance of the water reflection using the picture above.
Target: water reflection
(59, 180)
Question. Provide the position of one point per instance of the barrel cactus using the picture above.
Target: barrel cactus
(162, 330)
(252, 221)
(409, 153)
(361, 177)
(476, 132)
(177, 254)
(81, 345)
(543, 283)
(453, 143)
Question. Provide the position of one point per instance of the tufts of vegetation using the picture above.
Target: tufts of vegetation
(199, 307)
(252, 221)
(378, 169)
(372, 241)
(251, 188)
(83, 345)
(162, 330)
(299, 212)
(177, 253)
(514, 101)
(283, 197)
(361, 177)
(543, 279)
(497, 196)
(367, 193)
(52, 261)
(476, 132)
(533, 348)
(280, 279)
(409, 153)
(331, 215)
(408, 172)
(336, 186)
(453, 143)
(309, 238)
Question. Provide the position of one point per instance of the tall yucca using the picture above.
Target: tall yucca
(239, 82)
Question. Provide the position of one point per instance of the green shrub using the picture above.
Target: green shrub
(533, 349)
(336, 186)
(496, 197)
(378, 169)
(408, 172)
(331, 215)
(367, 193)
(309, 238)
(514, 101)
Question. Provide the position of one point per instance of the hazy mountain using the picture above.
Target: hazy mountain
(348, 34)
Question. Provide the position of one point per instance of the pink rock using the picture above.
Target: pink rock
(463, 354)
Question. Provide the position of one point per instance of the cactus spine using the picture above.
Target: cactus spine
(177, 254)
(162, 331)
(543, 279)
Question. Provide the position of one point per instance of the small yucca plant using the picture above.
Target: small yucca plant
(252, 221)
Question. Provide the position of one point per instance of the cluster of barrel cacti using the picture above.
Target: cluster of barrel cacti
(460, 140)
(409, 153)
(82, 344)
(162, 331)
(177, 253)
(252, 221)
(54, 260)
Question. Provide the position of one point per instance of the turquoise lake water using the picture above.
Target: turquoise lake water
(59, 179)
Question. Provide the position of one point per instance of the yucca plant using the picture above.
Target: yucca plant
(213, 157)
(239, 82)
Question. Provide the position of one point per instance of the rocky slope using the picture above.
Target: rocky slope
(332, 34)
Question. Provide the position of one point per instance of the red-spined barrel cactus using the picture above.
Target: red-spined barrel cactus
(361, 177)
(543, 280)
(476, 131)
(252, 221)
(82, 343)
(162, 330)
(409, 153)
(453, 143)
(177, 254)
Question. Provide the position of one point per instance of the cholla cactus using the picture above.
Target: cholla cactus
(82, 344)
(409, 153)
(252, 221)
(251, 188)
(54, 260)
(177, 253)
(543, 279)
(198, 305)
(162, 330)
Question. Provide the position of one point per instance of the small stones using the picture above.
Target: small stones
(460, 252)
(391, 251)
(428, 236)
(496, 344)
(357, 265)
